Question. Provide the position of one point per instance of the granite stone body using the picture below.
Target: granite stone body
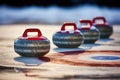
(105, 29)
(68, 39)
(90, 33)
(34, 46)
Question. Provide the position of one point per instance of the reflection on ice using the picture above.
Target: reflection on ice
(29, 61)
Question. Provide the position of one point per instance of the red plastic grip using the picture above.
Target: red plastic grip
(68, 24)
(32, 30)
(99, 18)
(86, 21)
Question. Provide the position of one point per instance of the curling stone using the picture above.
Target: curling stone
(68, 38)
(90, 33)
(105, 29)
(32, 46)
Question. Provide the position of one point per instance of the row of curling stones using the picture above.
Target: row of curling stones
(35, 46)
(32, 46)
(105, 29)
(68, 38)
(90, 33)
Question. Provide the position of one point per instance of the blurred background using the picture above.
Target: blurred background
(57, 11)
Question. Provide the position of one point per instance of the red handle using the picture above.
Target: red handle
(69, 24)
(86, 21)
(32, 30)
(99, 18)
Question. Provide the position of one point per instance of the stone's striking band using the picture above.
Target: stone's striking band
(68, 39)
(90, 33)
(34, 46)
(105, 29)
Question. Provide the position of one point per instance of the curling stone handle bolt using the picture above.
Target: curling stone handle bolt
(69, 24)
(32, 30)
(99, 18)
